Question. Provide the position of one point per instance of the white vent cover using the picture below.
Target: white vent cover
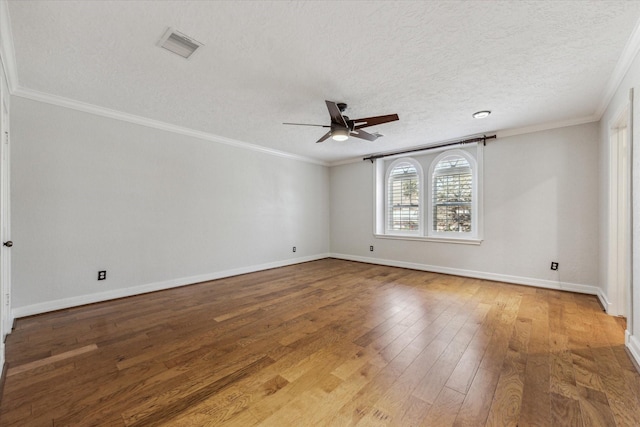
(179, 43)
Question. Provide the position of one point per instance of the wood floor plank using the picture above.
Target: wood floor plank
(413, 412)
(327, 342)
(464, 372)
(617, 391)
(505, 408)
(595, 410)
(429, 389)
(562, 376)
(173, 402)
(58, 357)
(536, 400)
(565, 411)
(393, 401)
(475, 407)
(444, 409)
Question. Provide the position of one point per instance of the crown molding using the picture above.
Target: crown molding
(546, 126)
(156, 124)
(629, 53)
(499, 134)
(347, 161)
(143, 121)
(7, 52)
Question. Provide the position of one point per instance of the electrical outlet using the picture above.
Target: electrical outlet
(102, 275)
(554, 265)
(294, 249)
(370, 248)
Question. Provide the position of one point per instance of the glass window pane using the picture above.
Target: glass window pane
(452, 195)
(404, 196)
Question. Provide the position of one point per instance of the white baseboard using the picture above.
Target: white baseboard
(61, 304)
(528, 281)
(633, 344)
(604, 301)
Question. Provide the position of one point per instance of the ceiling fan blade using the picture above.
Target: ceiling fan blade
(372, 121)
(364, 135)
(336, 115)
(324, 137)
(306, 124)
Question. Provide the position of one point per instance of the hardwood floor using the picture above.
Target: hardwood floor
(328, 342)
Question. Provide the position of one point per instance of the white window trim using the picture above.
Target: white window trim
(420, 231)
(459, 240)
(380, 173)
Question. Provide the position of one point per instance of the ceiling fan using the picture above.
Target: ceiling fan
(342, 127)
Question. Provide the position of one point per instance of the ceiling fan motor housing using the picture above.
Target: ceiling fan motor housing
(350, 123)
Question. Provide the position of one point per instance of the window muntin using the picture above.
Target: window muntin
(403, 190)
(452, 195)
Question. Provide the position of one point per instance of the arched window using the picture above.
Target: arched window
(443, 206)
(453, 194)
(403, 197)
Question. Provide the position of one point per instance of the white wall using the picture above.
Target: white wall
(153, 208)
(539, 206)
(618, 103)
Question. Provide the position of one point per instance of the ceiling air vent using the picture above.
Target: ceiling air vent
(179, 43)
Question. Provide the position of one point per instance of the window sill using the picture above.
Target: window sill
(462, 241)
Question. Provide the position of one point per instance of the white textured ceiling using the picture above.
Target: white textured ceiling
(268, 62)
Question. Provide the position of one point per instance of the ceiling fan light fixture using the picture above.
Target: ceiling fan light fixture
(481, 114)
(340, 134)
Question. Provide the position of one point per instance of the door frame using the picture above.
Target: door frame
(6, 316)
(5, 221)
(619, 247)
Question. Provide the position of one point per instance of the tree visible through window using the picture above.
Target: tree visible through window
(452, 195)
(404, 198)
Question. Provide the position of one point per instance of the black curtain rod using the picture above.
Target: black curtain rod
(482, 139)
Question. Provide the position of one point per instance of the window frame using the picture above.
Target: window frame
(381, 171)
(387, 208)
(474, 196)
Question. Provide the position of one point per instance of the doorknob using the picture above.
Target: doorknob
(8, 243)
